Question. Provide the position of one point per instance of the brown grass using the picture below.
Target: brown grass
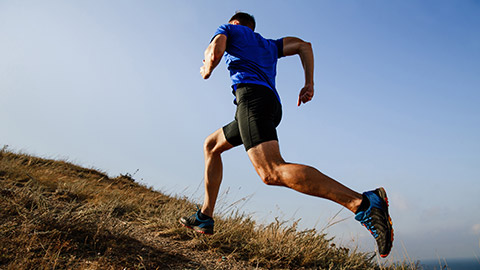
(56, 215)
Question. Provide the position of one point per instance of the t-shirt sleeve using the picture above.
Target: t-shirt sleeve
(222, 29)
(279, 44)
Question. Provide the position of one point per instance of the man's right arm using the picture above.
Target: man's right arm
(293, 46)
(213, 55)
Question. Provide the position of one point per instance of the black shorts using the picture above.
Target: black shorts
(258, 114)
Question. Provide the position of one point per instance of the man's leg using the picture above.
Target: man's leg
(214, 146)
(273, 170)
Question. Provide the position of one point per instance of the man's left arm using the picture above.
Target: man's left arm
(213, 55)
(296, 46)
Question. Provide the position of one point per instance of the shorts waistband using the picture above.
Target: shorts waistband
(240, 85)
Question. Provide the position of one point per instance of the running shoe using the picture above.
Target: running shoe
(377, 220)
(199, 225)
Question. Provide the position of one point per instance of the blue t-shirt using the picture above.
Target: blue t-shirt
(250, 58)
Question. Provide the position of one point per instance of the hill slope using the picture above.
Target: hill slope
(54, 214)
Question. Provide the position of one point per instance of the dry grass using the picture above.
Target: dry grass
(56, 215)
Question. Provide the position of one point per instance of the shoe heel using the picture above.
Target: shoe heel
(383, 194)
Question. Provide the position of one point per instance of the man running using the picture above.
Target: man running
(252, 60)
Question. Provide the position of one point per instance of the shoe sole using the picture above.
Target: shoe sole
(383, 194)
(195, 228)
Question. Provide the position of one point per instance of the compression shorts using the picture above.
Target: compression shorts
(258, 114)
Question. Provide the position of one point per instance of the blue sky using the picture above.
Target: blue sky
(115, 85)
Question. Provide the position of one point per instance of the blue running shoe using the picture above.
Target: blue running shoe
(195, 223)
(377, 220)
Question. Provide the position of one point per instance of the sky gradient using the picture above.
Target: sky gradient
(115, 85)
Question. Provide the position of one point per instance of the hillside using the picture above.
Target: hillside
(57, 215)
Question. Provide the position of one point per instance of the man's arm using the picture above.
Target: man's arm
(213, 55)
(293, 46)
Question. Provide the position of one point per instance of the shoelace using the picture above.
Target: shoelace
(368, 224)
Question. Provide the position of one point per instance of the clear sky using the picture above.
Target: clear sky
(115, 85)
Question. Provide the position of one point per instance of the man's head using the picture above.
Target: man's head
(244, 19)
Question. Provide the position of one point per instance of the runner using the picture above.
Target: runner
(252, 61)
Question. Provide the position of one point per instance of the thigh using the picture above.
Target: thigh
(231, 133)
(265, 157)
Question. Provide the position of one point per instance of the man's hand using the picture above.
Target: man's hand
(305, 95)
(204, 71)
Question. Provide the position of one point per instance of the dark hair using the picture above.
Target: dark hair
(245, 19)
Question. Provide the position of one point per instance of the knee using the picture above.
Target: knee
(210, 146)
(270, 177)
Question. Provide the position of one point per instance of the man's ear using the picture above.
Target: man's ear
(235, 22)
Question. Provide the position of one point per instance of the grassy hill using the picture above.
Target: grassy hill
(57, 215)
